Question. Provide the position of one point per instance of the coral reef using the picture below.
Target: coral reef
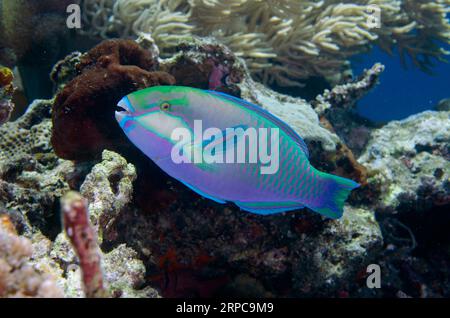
(32, 181)
(32, 177)
(284, 42)
(133, 202)
(155, 237)
(18, 278)
(193, 247)
(204, 64)
(83, 130)
(409, 161)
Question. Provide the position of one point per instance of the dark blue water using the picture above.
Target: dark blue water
(401, 92)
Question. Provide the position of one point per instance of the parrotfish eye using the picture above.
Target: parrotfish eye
(165, 106)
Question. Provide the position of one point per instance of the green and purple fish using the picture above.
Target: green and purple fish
(218, 146)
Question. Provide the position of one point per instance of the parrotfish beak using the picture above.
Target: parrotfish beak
(123, 110)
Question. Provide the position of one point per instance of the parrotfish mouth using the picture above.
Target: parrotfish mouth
(123, 109)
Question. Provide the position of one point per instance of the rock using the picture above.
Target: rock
(409, 159)
(20, 278)
(108, 188)
(332, 260)
(32, 178)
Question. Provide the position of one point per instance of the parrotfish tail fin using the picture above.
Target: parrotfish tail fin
(335, 191)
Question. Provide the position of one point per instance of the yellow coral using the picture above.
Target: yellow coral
(284, 41)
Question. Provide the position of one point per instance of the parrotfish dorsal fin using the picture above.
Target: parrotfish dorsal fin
(261, 111)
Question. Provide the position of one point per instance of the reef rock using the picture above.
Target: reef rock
(409, 159)
(108, 187)
(18, 276)
(32, 177)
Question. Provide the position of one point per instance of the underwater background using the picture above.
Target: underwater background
(84, 213)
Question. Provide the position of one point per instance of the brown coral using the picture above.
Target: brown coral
(83, 113)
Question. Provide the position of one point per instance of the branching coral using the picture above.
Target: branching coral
(345, 96)
(284, 41)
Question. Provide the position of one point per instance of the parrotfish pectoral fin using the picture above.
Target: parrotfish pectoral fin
(336, 190)
(265, 208)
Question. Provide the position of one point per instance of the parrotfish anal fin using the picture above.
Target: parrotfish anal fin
(266, 208)
(203, 194)
(261, 111)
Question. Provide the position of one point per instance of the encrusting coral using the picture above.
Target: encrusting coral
(286, 41)
(409, 160)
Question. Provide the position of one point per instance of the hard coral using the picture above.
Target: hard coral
(108, 72)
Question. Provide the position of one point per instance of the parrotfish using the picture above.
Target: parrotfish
(156, 120)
